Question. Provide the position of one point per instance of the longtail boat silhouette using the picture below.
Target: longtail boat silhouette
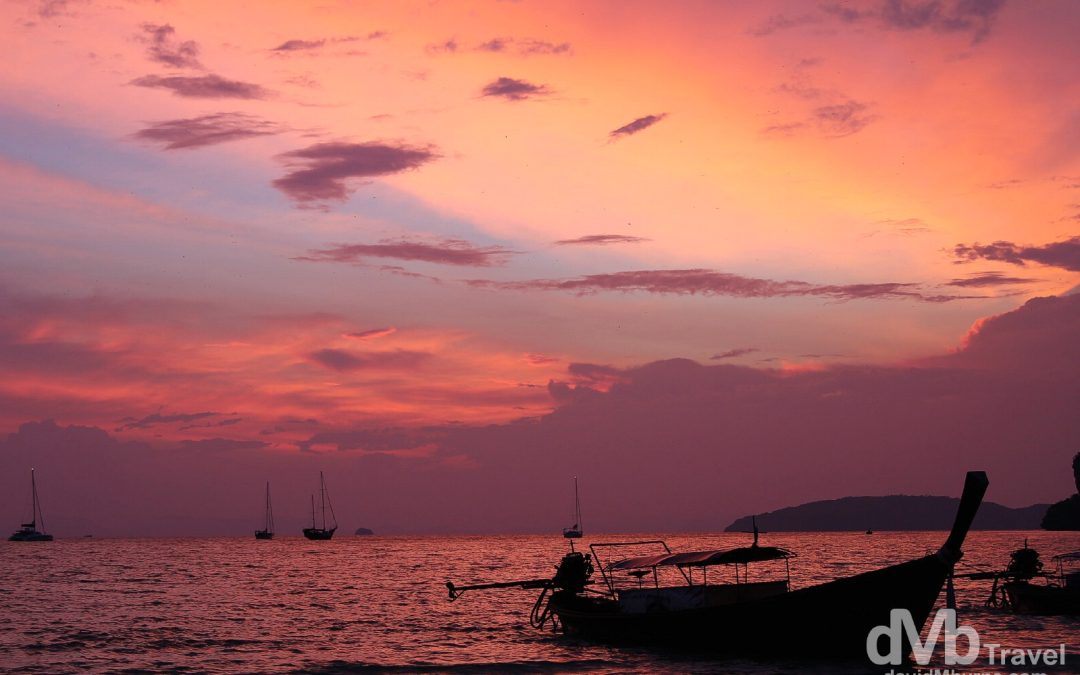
(733, 613)
(575, 531)
(268, 522)
(318, 530)
(29, 531)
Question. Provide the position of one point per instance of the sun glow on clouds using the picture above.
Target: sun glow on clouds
(865, 181)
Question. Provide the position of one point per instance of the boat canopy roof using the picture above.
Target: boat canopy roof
(1075, 555)
(733, 556)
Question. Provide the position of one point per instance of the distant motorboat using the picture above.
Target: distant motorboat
(318, 530)
(268, 524)
(575, 531)
(29, 531)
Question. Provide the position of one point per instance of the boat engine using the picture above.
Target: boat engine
(573, 572)
(571, 577)
(1024, 565)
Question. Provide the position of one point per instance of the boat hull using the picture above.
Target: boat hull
(30, 536)
(318, 534)
(1025, 598)
(829, 619)
(262, 534)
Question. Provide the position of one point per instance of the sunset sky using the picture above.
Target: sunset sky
(713, 257)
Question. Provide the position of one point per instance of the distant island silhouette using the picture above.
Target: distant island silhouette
(891, 512)
(1065, 515)
(364, 532)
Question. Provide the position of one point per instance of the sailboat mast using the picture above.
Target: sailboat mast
(322, 498)
(267, 519)
(36, 505)
(577, 506)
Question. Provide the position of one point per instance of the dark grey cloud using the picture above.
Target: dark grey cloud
(1064, 254)
(445, 252)
(906, 225)
(842, 119)
(372, 333)
(640, 124)
(514, 90)
(299, 45)
(157, 418)
(985, 279)
(204, 86)
(320, 172)
(221, 445)
(197, 132)
(713, 283)
(777, 22)
(601, 240)
(217, 423)
(449, 47)
(524, 46)
(342, 360)
(163, 47)
(48, 9)
(734, 353)
(975, 17)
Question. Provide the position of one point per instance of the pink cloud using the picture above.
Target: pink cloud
(165, 49)
(638, 125)
(198, 132)
(734, 353)
(203, 86)
(711, 282)
(983, 279)
(345, 361)
(524, 46)
(373, 333)
(514, 90)
(320, 172)
(668, 445)
(445, 252)
(955, 16)
(1064, 254)
(841, 119)
(602, 240)
(157, 418)
(540, 359)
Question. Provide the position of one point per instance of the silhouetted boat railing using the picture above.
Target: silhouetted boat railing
(732, 612)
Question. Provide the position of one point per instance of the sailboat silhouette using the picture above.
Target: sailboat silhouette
(575, 531)
(29, 531)
(268, 524)
(319, 531)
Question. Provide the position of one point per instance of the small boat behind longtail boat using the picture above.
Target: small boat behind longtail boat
(575, 531)
(1015, 588)
(729, 612)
